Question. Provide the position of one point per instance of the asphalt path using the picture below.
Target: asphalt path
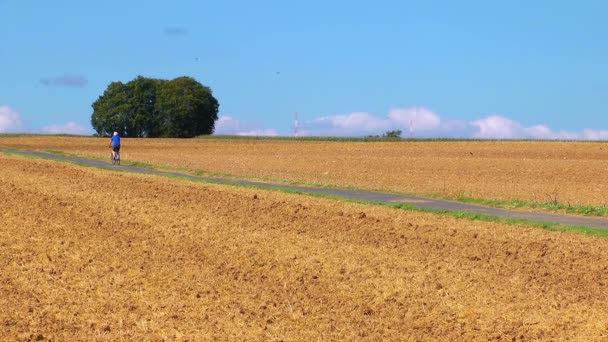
(358, 195)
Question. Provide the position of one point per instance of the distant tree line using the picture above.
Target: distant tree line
(390, 135)
(148, 107)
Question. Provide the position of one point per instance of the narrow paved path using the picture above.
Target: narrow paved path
(370, 196)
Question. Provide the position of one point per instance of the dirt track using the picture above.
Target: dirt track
(90, 254)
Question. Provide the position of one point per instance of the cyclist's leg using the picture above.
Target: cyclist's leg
(114, 153)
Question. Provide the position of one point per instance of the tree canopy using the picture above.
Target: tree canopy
(147, 107)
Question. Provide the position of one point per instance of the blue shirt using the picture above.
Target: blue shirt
(116, 141)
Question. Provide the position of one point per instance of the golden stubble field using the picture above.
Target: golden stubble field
(88, 254)
(564, 172)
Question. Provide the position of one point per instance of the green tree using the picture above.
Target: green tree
(143, 117)
(187, 108)
(396, 134)
(147, 107)
(109, 110)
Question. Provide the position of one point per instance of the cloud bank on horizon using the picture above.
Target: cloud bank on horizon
(231, 126)
(12, 122)
(424, 123)
(68, 128)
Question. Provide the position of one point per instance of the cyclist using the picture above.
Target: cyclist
(115, 145)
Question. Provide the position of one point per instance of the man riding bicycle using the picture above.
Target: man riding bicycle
(115, 145)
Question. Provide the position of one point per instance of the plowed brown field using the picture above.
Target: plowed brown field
(87, 254)
(566, 172)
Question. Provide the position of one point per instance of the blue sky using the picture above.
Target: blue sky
(485, 69)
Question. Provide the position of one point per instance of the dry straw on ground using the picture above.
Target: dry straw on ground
(564, 172)
(88, 254)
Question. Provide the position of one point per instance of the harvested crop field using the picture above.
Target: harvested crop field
(564, 172)
(91, 254)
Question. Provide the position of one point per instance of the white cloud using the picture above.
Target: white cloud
(10, 120)
(226, 125)
(351, 123)
(422, 119)
(497, 127)
(546, 133)
(69, 128)
(540, 132)
(590, 134)
(451, 126)
(231, 126)
(362, 123)
(260, 133)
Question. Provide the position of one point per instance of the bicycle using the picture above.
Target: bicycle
(115, 157)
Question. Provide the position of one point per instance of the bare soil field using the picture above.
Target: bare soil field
(88, 254)
(564, 172)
